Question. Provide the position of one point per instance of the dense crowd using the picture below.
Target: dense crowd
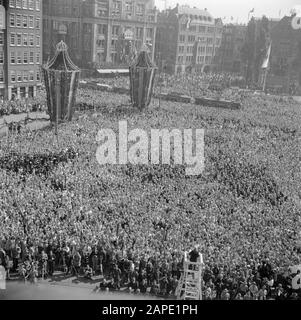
(22, 106)
(131, 224)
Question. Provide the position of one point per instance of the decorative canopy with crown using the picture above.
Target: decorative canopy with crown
(61, 77)
(142, 76)
(61, 60)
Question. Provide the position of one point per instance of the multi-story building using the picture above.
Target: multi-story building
(96, 31)
(20, 48)
(187, 39)
(231, 48)
(285, 63)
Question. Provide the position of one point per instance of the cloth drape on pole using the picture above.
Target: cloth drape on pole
(142, 76)
(61, 78)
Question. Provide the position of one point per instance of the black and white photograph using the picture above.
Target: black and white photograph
(150, 150)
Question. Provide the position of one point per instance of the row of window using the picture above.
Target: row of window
(102, 29)
(192, 39)
(116, 6)
(24, 21)
(201, 29)
(25, 39)
(25, 4)
(190, 49)
(21, 76)
(200, 59)
(25, 58)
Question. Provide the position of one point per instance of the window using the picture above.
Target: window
(18, 4)
(113, 44)
(201, 49)
(181, 49)
(12, 39)
(25, 4)
(192, 28)
(1, 57)
(12, 3)
(190, 49)
(31, 75)
(38, 5)
(1, 39)
(25, 39)
(25, 21)
(202, 29)
(13, 76)
(101, 28)
(25, 76)
(129, 6)
(38, 58)
(139, 33)
(12, 57)
(209, 50)
(1, 75)
(30, 4)
(115, 30)
(38, 40)
(19, 76)
(31, 24)
(191, 38)
(116, 6)
(12, 18)
(140, 8)
(38, 76)
(18, 20)
(19, 57)
(210, 40)
(19, 39)
(100, 43)
(25, 57)
(149, 32)
(31, 40)
(31, 57)
(38, 22)
(182, 38)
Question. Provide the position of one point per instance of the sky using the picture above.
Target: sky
(238, 9)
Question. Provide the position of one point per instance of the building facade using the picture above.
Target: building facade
(97, 31)
(231, 47)
(188, 39)
(285, 62)
(20, 48)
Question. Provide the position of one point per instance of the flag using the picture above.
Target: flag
(188, 23)
(266, 60)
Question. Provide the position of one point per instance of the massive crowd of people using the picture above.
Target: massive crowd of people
(23, 105)
(129, 226)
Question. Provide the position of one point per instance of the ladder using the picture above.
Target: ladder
(190, 284)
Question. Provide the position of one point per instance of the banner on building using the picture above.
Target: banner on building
(266, 60)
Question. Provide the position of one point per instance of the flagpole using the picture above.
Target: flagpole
(267, 67)
(265, 80)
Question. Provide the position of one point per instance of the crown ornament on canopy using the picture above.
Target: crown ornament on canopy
(61, 60)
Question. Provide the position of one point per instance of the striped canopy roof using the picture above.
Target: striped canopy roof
(61, 60)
